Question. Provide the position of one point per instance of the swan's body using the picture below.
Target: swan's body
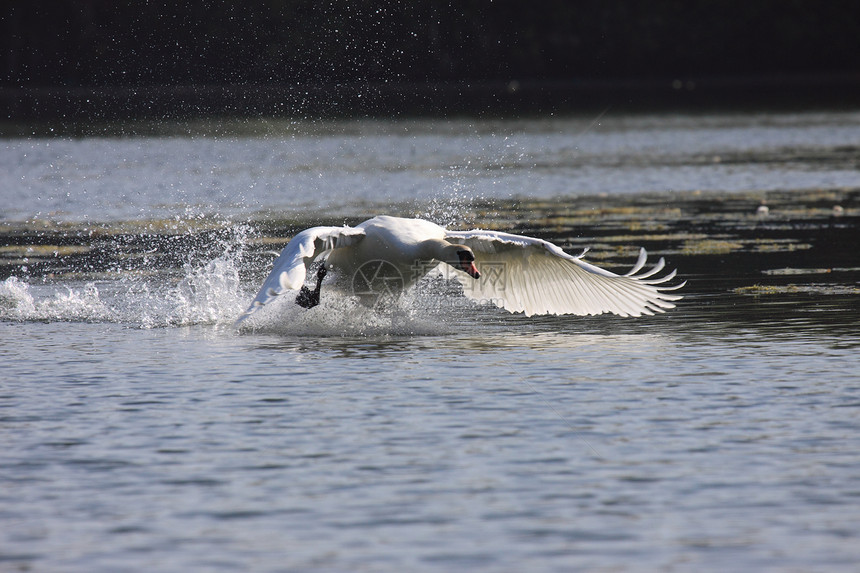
(386, 255)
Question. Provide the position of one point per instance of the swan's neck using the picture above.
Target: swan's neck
(433, 249)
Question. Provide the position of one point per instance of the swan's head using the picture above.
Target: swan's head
(462, 258)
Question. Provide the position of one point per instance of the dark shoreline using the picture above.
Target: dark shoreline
(32, 105)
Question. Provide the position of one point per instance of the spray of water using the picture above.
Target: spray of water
(422, 311)
(206, 289)
(17, 302)
(213, 290)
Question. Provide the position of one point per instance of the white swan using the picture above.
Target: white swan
(385, 255)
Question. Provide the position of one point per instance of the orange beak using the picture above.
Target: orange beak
(470, 269)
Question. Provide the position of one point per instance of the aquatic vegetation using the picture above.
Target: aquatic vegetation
(710, 247)
(816, 289)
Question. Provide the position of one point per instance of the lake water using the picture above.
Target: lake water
(142, 432)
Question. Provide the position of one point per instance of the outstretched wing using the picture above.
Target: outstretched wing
(290, 268)
(530, 275)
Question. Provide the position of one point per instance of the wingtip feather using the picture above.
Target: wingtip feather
(640, 262)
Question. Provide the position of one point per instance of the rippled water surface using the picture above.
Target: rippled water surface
(142, 432)
(346, 167)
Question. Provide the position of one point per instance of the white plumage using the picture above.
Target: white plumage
(518, 273)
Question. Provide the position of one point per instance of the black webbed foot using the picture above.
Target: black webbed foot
(308, 298)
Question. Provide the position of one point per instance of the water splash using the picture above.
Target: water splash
(210, 294)
(453, 206)
(190, 271)
(82, 304)
(207, 294)
(213, 293)
(133, 278)
(342, 315)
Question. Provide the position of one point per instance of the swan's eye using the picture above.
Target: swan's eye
(466, 256)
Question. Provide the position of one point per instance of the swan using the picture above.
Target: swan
(384, 256)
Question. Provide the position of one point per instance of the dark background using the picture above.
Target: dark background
(103, 59)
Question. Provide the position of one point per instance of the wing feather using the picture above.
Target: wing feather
(291, 266)
(654, 270)
(533, 276)
(640, 262)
